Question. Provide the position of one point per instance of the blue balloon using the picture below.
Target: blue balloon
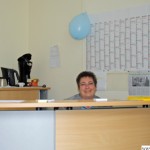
(80, 26)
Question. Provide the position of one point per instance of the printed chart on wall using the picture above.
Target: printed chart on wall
(119, 41)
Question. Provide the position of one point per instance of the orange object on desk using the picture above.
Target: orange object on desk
(34, 82)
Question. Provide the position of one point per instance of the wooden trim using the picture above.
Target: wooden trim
(73, 103)
(23, 88)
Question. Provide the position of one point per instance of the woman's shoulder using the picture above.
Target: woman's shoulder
(76, 96)
(96, 96)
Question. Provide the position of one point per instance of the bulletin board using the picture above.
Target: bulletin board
(119, 40)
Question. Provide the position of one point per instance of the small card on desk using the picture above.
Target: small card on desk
(100, 99)
(45, 100)
(11, 101)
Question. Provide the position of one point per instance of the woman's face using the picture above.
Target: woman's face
(87, 88)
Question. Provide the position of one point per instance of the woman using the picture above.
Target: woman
(87, 85)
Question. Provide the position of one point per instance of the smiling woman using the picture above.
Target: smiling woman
(87, 85)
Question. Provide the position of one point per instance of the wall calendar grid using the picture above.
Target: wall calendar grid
(120, 44)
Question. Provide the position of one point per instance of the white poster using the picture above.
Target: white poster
(54, 56)
(119, 40)
(101, 80)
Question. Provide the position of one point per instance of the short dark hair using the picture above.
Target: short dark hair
(86, 74)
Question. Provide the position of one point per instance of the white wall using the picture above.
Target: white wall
(36, 25)
(13, 31)
(49, 21)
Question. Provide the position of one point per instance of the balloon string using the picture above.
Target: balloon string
(83, 3)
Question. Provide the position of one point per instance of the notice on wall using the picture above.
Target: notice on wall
(139, 83)
(101, 80)
(54, 57)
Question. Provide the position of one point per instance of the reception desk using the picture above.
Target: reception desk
(116, 125)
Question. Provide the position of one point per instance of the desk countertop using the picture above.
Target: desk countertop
(69, 103)
(13, 88)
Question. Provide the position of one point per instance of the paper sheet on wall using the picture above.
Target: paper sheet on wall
(139, 83)
(101, 80)
(54, 57)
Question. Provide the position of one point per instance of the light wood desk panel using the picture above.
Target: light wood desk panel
(22, 93)
(105, 129)
(25, 93)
